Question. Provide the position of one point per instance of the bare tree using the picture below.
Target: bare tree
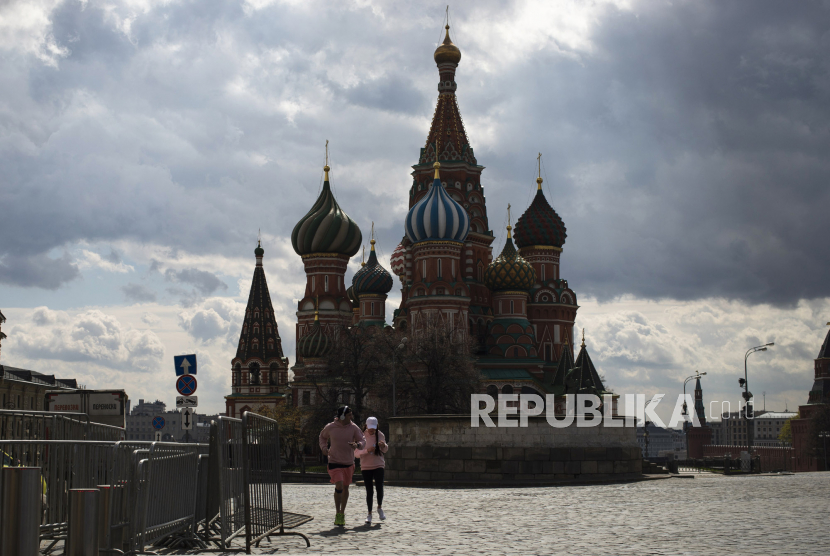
(437, 368)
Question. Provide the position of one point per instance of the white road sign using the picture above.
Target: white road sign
(187, 419)
(158, 436)
(187, 401)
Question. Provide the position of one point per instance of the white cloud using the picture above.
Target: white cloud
(26, 27)
(215, 319)
(90, 259)
(88, 336)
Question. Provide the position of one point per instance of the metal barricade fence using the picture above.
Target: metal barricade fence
(167, 493)
(54, 425)
(228, 444)
(245, 459)
(65, 464)
(263, 482)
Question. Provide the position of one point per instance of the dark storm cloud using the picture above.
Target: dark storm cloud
(684, 144)
(205, 282)
(37, 272)
(138, 293)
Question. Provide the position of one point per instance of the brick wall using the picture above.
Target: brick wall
(773, 458)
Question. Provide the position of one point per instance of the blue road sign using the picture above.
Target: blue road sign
(185, 364)
(158, 423)
(186, 385)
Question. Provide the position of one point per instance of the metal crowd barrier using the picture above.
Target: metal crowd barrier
(54, 425)
(245, 461)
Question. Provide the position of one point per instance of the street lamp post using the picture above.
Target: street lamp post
(747, 395)
(395, 376)
(824, 435)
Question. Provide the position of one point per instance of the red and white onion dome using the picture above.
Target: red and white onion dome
(398, 260)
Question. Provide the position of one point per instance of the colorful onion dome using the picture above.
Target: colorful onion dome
(540, 225)
(398, 260)
(326, 228)
(509, 271)
(372, 278)
(315, 344)
(447, 52)
(437, 216)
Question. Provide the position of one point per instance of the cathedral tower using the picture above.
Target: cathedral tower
(460, 178)
(540, 235)
(326, 238)
(259, 370)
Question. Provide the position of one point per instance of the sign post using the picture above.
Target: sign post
(185, 366)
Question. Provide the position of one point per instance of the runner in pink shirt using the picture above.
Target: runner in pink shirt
(338, 440)
(372, 465)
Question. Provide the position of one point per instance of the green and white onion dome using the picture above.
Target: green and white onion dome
(326, 228)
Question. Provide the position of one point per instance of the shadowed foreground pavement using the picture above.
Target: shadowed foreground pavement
(709, 514)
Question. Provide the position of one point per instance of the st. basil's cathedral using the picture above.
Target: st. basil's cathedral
(517, 308)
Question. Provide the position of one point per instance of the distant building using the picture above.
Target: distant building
(767, 427)
(661, 440)
(148, 408)
(140, 426)
(24, 389)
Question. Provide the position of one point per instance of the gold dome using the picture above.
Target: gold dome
(447, 52)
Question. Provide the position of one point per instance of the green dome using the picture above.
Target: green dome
(509, 271)
(315, 344)
(259, 251)
(326, 228)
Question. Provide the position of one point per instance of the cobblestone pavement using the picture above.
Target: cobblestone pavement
(709, 514)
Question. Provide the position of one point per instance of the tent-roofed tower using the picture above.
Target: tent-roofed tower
(259, 370)
(447, 143)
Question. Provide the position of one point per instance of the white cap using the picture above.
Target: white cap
(372, 423)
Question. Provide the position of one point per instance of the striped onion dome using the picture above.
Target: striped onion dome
(509, 271)
(437, 216)
(372, 278)
(540, 225)
(326, 228)
(398, 260)
(315, 344)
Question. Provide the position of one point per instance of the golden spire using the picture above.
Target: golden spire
(363, 257)
(539, 179)
(259, 239)
(373, 236)
(316, 308)
(583, 338)
(326, 167)
(509, 227)
(437, 166)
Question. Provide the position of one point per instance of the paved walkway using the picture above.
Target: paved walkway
(709, 514)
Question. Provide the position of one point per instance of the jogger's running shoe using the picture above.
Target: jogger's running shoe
(340, 519)
(369, 518)
(381, 514)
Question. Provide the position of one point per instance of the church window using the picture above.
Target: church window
(372, 308)
(269, 329)
(313, 283)
(480, 272)
(440, 273)
(453, 268)
(507, 389)
(543, 273)
(256, 328)
(493, 391)
(424, 269)
(548, 352)
(326, 283)
(254, 372)
(256, 314)
(512, 307)
(270, 344)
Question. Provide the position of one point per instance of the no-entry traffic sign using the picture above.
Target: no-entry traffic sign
(186, 385)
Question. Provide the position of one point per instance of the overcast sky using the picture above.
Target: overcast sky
(143, 144)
